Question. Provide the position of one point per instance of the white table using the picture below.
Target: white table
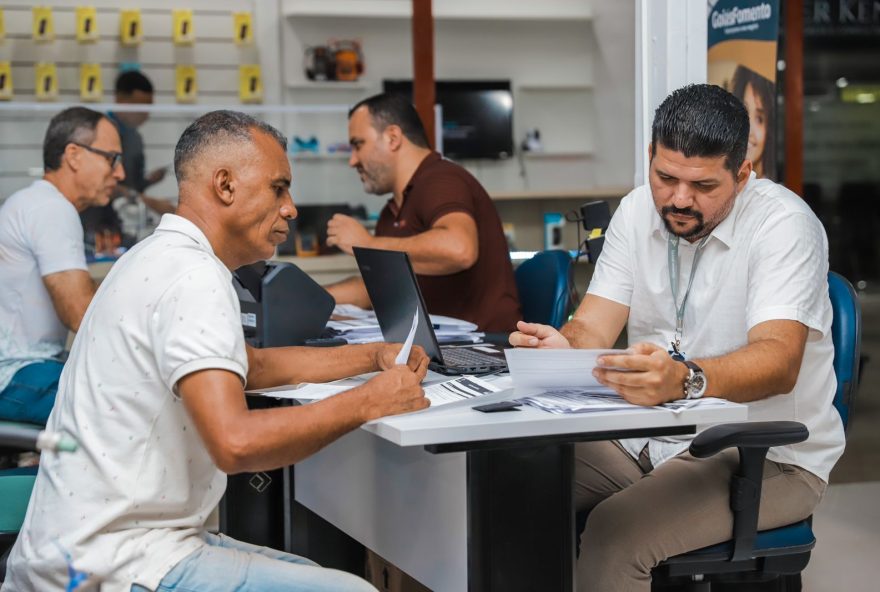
(463, 500)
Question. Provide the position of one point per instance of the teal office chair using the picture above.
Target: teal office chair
(15, 492)
(782, 553)
(543, 283)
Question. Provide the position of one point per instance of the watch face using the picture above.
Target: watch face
(696, 385)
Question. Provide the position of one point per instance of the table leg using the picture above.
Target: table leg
(521, 519)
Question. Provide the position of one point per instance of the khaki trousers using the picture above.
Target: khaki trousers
(639, 516)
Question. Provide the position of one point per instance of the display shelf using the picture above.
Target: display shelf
(554, 87)
(557, 154)
(310, 156)
(547, 10)
(597, 193)
(342, 85)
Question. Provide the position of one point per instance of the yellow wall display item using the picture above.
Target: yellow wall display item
(46, 81)
(130, 32)
(86, 24)
(186, 87)
(5, 81)
(90, 87)
(243, 30)
(250, 84)
(184, 32)
(2, 27)
(44, 27)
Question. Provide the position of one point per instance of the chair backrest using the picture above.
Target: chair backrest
(543, 282)
(846, 333)
(15, 491)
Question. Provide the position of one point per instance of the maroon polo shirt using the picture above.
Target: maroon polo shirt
(484, 294)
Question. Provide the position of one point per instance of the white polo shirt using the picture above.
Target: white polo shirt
(768, 260)
(137, 492)
(40, 234)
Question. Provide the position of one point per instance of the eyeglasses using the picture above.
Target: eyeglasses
(113, 158)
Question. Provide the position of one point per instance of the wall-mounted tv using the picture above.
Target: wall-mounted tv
(477, 116)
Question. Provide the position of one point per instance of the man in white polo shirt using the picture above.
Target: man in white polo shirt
(154, 393)
(721, 281)
(45, 285)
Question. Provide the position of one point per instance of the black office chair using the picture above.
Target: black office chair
(779, 554)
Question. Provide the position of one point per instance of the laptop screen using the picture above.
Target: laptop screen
(394, 292)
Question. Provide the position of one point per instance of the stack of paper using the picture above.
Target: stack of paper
(461, 388)
(357, 325)
(564, 382)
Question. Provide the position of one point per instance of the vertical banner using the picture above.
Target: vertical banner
(90, 87)
(130, 33)
(250, 84)
(46, 81)
(742, 59)
(183, 32)
(243, 32)
(185, 84)
(86, 24)
(44, 27)
(5, 81)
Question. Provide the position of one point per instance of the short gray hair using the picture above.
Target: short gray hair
(216, 128)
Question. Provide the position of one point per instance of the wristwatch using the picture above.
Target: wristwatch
(695, 383)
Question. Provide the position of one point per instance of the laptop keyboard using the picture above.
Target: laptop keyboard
(464, 357)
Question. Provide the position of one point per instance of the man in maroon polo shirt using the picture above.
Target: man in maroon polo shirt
(438, 213)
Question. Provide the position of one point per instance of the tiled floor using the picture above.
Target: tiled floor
(847, 523)
(847, 528)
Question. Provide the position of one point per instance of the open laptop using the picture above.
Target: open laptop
(394, 292)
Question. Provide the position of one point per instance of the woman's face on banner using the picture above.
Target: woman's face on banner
(757, 127)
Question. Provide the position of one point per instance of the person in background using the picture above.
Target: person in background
(154, 394)
(759, 97)
(132, 88)
(45, 286)
(438, 213)
(721, 280)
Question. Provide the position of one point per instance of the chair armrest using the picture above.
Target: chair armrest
(763, 434)
(752, 439)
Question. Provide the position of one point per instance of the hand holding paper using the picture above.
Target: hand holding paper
(403, 356)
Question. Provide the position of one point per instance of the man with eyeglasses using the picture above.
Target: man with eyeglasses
(45, 285)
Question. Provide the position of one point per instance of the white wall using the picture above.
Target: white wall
(215, 55)
(572, 77)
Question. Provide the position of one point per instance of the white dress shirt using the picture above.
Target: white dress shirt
(132, 501)
(767, 260)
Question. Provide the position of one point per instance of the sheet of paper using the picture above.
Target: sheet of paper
(459, 389)
(574, 400)
(548, 368)
(403, 354)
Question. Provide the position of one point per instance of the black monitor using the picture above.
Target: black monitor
(477, 116)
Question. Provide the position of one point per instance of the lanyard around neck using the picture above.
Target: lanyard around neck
(672, 256)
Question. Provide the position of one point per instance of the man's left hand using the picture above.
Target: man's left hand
(387, 354)
(651, 378)
(345, 232)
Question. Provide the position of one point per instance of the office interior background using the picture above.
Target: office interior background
(572, 72)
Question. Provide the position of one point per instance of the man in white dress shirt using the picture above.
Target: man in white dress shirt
(45, 285)
(154, 394)
(721, 282)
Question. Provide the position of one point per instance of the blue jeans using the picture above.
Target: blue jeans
(228, 565)
(30, 394)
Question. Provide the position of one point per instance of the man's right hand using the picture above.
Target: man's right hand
(537, 335)
(396, 390)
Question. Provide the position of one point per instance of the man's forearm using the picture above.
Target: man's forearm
(754, 372)
(350, 291)
(292, 365)
(434, 252)
(581, 335)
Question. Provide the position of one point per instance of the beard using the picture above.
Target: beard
(691, 233)
(376, 179)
